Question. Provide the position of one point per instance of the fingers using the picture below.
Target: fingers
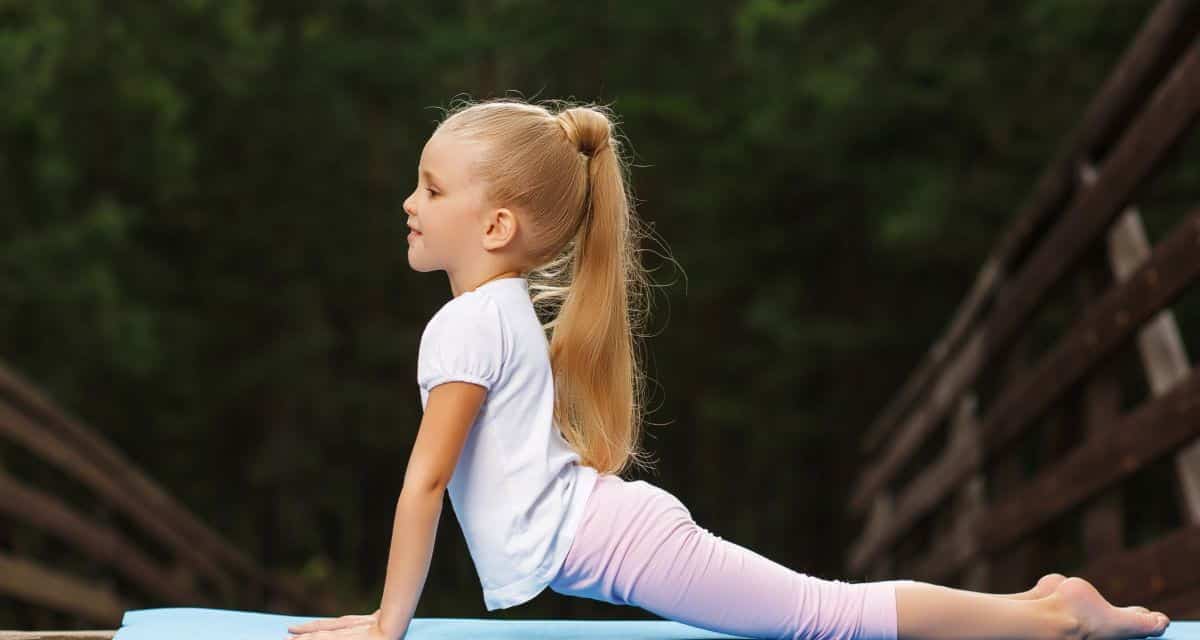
(329, 624)
(331, 634)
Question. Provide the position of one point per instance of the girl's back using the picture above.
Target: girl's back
(518, 490)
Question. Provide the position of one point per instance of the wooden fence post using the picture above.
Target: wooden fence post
(971, 500)
(1024, 557)
(1163, 353)
(883, 567)
(1100, 406)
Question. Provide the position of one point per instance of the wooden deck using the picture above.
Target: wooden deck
(59, 635)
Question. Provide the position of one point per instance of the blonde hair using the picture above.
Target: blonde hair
(560, 166)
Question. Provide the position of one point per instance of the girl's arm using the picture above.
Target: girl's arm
(449, 414)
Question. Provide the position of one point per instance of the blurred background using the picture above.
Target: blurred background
(203, 257)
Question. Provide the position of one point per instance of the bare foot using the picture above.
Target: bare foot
(1100, 620)
(1044, 587)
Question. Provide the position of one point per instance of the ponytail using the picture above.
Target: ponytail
(593, 352)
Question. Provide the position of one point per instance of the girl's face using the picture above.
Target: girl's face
(447, 207)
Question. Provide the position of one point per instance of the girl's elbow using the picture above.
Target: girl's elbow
(424, 486)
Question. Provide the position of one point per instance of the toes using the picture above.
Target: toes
(1147, 623)
(1105, 620)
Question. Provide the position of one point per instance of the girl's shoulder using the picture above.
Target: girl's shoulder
(464, 340)
(472, 312)
(465, 307)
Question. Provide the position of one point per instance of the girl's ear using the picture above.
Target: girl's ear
(501, 229)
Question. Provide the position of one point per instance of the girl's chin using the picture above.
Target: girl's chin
(416, 265)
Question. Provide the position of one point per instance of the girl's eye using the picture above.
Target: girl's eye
(431, 192)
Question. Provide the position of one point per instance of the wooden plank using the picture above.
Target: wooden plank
(1173, 265)
(1170, 112)
(125, 474)
(879, 520)
(960, 371)
(1164, 357)
(881, 511)
(1142, 436)
(1163, 567)
(969, 505)
(971, 502)
(1103, 327)
(977, 575)
(1181, 606)
(104, 544)
(933, 364)
(961, 455)
(956, 550)
(1006, 474)
(59, 635)
(1151, 50)
(50, 448)
(1138, 438)
(1103, 520)
(26, 580)
(884, 567)
(153, 498)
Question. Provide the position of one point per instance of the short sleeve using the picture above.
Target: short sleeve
(463, 341)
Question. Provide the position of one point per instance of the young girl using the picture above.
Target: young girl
(525, 203)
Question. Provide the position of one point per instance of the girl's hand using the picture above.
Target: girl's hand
(348, 626)
(359, 632)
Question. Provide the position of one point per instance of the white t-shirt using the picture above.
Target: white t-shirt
(518, 489)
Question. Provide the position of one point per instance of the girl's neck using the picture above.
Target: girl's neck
(506, 274)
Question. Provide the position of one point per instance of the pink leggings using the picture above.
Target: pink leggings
(638, 545)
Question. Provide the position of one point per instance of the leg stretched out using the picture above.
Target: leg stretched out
(638, 545)
(1074, 610)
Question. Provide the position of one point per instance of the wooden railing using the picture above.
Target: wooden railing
(945, 493)
(200, 567)
(59, 635)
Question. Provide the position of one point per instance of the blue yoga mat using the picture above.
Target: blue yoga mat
(189, 623)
